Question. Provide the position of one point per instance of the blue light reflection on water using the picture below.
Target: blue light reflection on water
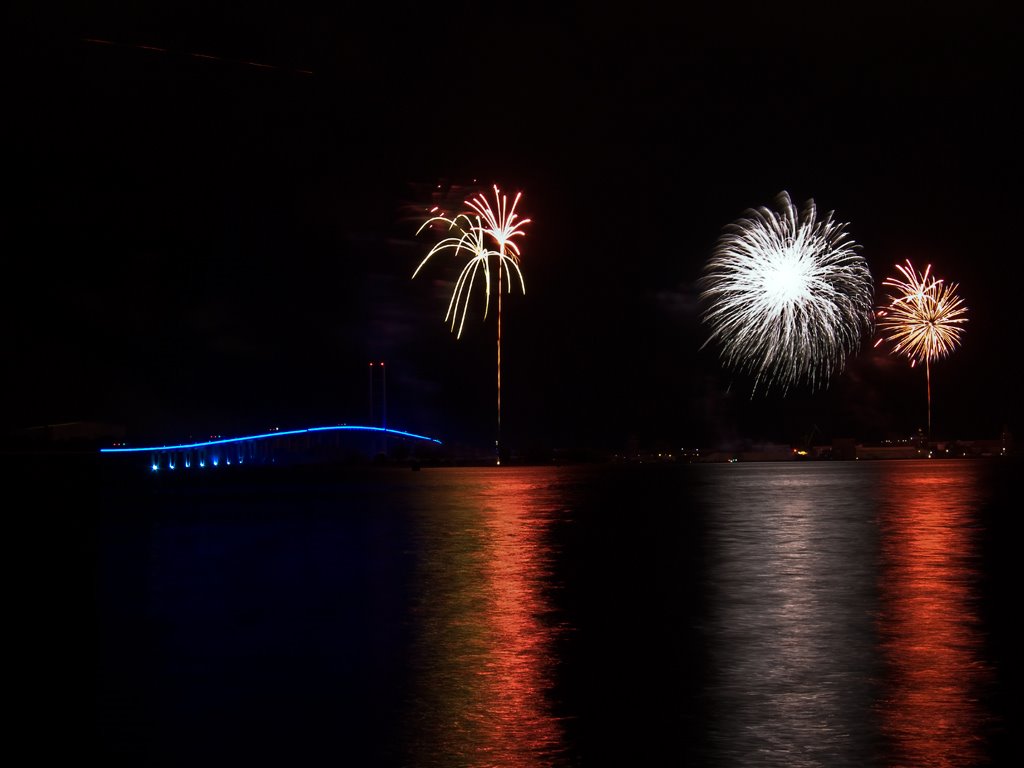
(744, 614)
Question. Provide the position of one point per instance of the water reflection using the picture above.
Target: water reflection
(789, 632)
(778, 614)
(483, 658)
(928, 623)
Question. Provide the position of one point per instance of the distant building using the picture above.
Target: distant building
(767, 452)
(903, 450)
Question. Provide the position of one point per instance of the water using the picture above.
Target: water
(777, 614)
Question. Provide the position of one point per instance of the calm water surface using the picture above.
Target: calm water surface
(777, 614)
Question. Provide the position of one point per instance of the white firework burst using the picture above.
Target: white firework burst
(788, 298)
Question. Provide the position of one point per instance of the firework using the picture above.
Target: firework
(470, 239)
(786, 296)
(923, 319)
(472, 230)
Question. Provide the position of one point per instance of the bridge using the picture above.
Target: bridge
(293, 446)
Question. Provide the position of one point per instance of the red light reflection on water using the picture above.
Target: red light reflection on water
(929, 628)
(516, 672)
(485, 660)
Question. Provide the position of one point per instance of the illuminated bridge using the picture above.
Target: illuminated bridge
(295, 446)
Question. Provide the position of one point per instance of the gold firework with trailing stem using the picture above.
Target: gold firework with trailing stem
(923, 319)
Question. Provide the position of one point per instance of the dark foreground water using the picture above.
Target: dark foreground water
(777, 614)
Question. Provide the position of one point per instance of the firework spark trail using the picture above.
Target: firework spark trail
(787, 297)
(471, 239)
(195, 55)
(501, 224)
(924, 319)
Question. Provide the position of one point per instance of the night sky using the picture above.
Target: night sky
(194, 244)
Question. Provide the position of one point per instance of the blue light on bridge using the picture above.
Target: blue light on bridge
(214, 450)
(264, 435)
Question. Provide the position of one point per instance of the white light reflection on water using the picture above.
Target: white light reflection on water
(483, 658)
(790, 624)
(843, 625)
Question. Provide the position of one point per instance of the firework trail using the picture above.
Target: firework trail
(469, 241)
(786, 296)
(195, 55)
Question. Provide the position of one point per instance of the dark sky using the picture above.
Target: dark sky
(195, 244)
